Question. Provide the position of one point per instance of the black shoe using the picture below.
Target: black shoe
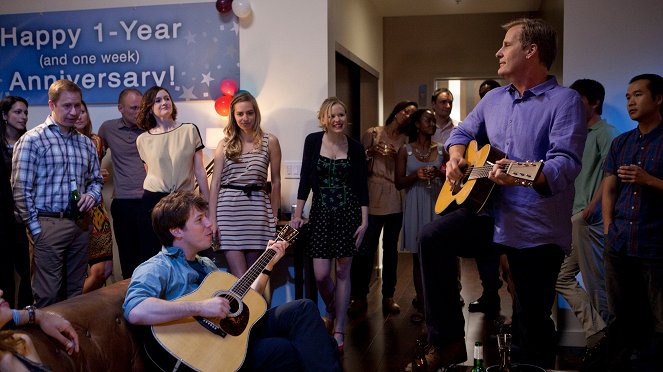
(595, 356)
(357, 307)
(489, 305)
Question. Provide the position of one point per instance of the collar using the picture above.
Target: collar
(654, 133)
(550, 83)
(50, 123)
(172, 251)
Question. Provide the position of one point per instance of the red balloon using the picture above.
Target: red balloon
(228, 87)
(224, 6)
(222, 105)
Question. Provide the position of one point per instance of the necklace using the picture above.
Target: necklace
(422, 156)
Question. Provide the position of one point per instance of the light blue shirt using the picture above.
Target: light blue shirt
(547, 123)
(167, 276)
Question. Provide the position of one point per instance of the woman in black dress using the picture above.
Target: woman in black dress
(334, 169)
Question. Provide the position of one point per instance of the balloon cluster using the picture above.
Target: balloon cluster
(241, 8)
(222, 104)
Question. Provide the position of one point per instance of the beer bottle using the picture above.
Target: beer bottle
(74, 198)
(478, 358)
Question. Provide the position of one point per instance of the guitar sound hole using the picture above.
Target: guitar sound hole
(234, 305)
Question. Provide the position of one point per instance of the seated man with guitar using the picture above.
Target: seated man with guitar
(202, 317)
(528, 215)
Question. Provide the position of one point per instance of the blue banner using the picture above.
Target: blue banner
(187, 48)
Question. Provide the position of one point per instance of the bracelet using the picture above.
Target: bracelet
(31, 314)
(267, 272)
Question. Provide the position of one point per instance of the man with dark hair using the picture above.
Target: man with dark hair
(289, 337)
(486, 86)
(532, 119)
(590, 305)
(49, 162)
(119, 136)
(442, 102)
(632, 222)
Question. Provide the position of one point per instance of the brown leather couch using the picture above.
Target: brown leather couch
(107, 341)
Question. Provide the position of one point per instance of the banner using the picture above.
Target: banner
(187, 48)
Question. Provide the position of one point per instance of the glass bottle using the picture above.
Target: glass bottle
(74, 198)
(420, 363)
(478, 358)
(504, 348)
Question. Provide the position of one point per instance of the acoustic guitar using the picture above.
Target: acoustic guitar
(215, 344)
(474, 189)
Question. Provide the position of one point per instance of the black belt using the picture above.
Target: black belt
(65, 214)
(247, 189)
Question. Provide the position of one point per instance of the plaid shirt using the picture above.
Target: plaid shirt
(637, 228)
(44, 161)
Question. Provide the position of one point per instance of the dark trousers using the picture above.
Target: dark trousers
(22, 267)
(635, 303)
(489, 273)
(127, 230)
(461, 233)
(149, 242)
(362, 263)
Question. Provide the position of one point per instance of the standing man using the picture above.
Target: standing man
(632, 222)
(119, 136)
(442, 102)
(49, 162)
(289, 337)
(531, 119)
(590, 305)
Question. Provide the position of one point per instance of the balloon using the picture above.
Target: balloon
(241, 8)
(222, 105)
(224, 6)
(228, 87)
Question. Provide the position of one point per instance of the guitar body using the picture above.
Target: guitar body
(472, 193)
(213, 344)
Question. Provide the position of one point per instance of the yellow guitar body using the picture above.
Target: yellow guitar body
(202, 349)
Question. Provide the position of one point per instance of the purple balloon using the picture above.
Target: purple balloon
(224, 6)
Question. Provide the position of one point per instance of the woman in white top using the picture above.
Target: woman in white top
(173, 157)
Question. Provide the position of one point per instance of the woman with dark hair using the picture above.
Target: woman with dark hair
(418, 172)
(100, 248)
(334, 169)
(16, 258)
(385, 212)
(173, 157)
(242, 214)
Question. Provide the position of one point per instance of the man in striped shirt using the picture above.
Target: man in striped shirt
(49, 162)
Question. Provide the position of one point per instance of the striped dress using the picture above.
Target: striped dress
(245, 219)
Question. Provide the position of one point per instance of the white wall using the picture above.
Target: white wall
(611, 41)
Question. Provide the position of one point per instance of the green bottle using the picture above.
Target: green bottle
(74, 198)
(478, 358)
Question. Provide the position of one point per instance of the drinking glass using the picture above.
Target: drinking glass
(504, 348)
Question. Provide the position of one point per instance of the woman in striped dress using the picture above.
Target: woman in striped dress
(242, 214)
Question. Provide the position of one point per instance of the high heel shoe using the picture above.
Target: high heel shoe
(340, 345)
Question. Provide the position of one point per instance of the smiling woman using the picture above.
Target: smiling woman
(172, 153)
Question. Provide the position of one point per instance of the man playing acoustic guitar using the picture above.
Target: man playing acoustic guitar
(533, 119)
(289, 337)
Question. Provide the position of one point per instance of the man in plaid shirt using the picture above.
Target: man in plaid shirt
(49, 162)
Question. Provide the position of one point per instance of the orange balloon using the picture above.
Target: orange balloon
(222, 105)
(228, 87)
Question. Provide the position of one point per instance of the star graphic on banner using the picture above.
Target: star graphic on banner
(235, 28)
(190, 38)
(188, 93)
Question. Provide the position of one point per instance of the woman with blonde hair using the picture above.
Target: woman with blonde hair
(242, 211)
(334, 169)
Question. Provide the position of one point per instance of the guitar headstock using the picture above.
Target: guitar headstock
(527, 170)
(287, 233)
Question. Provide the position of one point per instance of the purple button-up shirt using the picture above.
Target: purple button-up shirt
(547, 123)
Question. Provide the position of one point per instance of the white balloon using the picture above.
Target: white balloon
(241, 8)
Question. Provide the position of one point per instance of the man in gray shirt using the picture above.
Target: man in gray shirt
(119, 136)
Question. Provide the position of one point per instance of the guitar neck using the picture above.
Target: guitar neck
(242, 286)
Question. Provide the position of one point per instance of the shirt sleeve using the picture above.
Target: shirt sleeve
(145, 283)
(23, 176)
(305, 173)
(197, 139)
(94, 182)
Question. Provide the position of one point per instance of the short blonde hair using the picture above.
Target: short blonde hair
(324, 114)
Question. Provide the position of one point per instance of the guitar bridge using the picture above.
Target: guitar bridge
(210, 326)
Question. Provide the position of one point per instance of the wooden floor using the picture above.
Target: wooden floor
(377, 342)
